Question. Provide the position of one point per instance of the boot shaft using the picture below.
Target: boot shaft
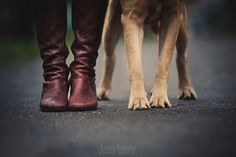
(87, 23)
(51, 26)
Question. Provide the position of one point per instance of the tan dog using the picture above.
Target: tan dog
(168, 18)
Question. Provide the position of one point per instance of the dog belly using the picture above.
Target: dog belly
(155, 7)
(148, 11)
(153, 15)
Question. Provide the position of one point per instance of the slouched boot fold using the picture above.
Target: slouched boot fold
(87, 22)
(51, 25)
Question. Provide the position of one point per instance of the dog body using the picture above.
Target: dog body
(168, 20)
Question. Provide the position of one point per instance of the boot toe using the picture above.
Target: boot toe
(50, 104)
(82, 105)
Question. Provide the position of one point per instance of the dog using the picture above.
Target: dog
(168, 20)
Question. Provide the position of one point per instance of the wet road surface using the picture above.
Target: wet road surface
(205, 127)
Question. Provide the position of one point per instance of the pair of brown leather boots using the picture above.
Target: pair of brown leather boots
(51, 25)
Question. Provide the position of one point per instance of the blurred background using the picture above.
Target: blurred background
(208, 18)
(205, 127)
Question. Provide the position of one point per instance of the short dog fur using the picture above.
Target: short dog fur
(168, 20)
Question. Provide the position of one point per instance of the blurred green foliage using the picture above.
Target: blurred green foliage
(17, 50)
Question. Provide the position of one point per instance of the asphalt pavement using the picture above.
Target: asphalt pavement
(205, 127)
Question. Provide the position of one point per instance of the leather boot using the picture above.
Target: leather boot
(51, 21)
(87, 22)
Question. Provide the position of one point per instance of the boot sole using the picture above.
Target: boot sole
(52, 109)
(92, 108)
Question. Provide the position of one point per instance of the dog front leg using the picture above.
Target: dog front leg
(171, 21)
(133, 34)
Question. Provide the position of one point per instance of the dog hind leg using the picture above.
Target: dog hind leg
(111, 33)
(186, 90)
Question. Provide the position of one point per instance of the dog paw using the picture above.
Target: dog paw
(159, 101)
(103, 93)
(187, 93)
(138, 103)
